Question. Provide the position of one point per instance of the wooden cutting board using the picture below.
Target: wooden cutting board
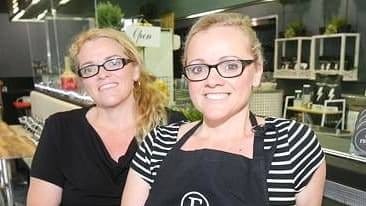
(14, 145)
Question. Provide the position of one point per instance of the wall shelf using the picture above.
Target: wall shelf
(342, 53)
(292, 58)
(304, 57)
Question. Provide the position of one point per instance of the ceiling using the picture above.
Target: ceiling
(3, 7)
(79, 8)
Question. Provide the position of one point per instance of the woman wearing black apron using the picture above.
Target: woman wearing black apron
(228, 158)
(210, 175)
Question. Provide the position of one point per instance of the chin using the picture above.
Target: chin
(109, 103)
(215, 116)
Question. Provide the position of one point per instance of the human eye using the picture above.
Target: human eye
(196, 69)
(88, 70)
(114, 63)
(230, 66)
(233, 65)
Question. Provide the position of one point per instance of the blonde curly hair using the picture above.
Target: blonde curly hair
(151, 102)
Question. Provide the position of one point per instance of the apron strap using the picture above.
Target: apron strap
(258, 152)
(268, 154)
(253, 120)
(187, 135)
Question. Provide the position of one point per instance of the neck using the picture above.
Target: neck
(119, 117)
(238, 125)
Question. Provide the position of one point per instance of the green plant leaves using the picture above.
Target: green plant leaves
(109, 15)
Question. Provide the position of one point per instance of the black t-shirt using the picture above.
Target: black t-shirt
(71, 154)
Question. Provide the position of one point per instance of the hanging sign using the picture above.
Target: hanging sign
(145, 36)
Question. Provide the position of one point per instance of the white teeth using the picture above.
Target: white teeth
(217, 96)
(107, 86)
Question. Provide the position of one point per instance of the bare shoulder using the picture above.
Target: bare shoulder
(260, 120)
(184, 128)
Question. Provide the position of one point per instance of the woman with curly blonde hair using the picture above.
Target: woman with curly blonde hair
(84, 154)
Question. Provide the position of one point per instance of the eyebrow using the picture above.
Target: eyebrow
(223, 58)
(105, 59)
(110, 57)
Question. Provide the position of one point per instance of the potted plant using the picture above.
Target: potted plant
(109, 15)
(294, 29)
(336, 25)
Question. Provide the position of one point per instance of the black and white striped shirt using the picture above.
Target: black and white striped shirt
(298, 154)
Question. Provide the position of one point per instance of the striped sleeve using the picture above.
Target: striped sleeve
(154, 149)
(141, 162)
(306, 153)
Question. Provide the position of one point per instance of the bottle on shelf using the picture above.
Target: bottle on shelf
(298, 98)
(68, 77)
(306, 96)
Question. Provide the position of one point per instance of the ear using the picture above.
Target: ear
(136, 72)
(257, 74)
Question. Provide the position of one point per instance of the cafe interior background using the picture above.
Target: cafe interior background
(314, 70)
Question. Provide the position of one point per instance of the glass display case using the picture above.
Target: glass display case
(48, 61)
(49, 39)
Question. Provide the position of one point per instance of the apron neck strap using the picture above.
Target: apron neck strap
(253, 120)
(188, 134)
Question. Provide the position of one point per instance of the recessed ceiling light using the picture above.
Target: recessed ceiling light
(62, 2)
(35, 2)
(204, 13)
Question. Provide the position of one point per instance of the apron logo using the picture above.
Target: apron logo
(194, 199)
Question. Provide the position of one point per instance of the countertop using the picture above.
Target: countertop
(13, 145)
(338, 155)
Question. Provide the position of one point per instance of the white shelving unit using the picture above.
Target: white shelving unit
(346, 45)
(302, 46)
(349, 45)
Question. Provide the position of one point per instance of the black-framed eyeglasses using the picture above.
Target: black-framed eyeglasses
(109, 65)
(226, 69)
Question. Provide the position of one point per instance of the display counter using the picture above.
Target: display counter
(76, 97)
(338, 155)
(12, 146)
(346, 182)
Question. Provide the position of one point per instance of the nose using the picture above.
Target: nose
(214, 78)
(103, 73)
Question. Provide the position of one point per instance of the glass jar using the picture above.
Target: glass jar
(298, 98)
(306, 95)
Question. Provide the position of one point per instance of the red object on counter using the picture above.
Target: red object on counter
(68, 82)
(21, 105)
(68, 77)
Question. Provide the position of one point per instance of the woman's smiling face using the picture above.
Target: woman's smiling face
(219, 98)
(107, 88)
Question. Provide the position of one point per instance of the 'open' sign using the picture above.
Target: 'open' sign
(145, 36)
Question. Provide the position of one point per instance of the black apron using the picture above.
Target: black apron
(209, 177)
